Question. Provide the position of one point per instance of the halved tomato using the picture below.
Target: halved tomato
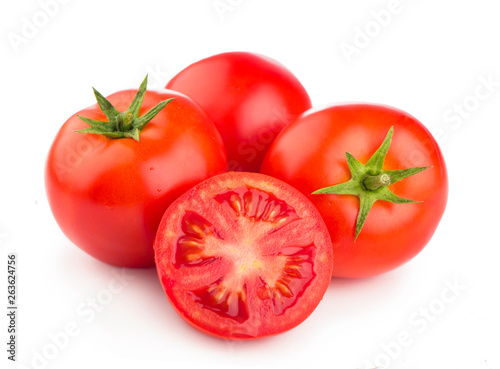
(243, 255)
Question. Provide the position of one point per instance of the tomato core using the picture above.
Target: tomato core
(256, 214)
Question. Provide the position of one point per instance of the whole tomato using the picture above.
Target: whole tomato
(376, 175)
(115, 167)
(249, 97)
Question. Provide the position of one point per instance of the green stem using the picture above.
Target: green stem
(124, 121)
(370, 182)
(373, 183)
(127, 124)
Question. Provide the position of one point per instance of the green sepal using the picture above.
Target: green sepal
(355, 167)
(95, 124)
(398, 175)
(140, 122)
(369, 182)
(93, 129)
(122, 125)
(365, 205)
(350, 187)
(385, 194)
(107, 108)
(135, 105)
(376, 162)
(111, 134)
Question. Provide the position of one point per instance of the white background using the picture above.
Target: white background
(429, 58)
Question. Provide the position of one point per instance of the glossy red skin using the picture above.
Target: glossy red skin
(108, 195)
(249, 97)
(309, 154)
(262, 321)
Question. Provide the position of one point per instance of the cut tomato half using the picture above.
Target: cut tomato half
(243, 255)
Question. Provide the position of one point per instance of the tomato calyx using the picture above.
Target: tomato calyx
(125, 124)
(370, 182)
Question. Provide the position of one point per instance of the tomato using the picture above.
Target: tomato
(338, 153)
(108, 194)
(243, 255)
(249, 97)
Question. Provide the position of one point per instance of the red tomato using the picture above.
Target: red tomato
(108, 195)
(249, 97)
(310, 154)
(243, 255)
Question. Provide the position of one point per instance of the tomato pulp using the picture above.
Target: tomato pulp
(243, 255)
